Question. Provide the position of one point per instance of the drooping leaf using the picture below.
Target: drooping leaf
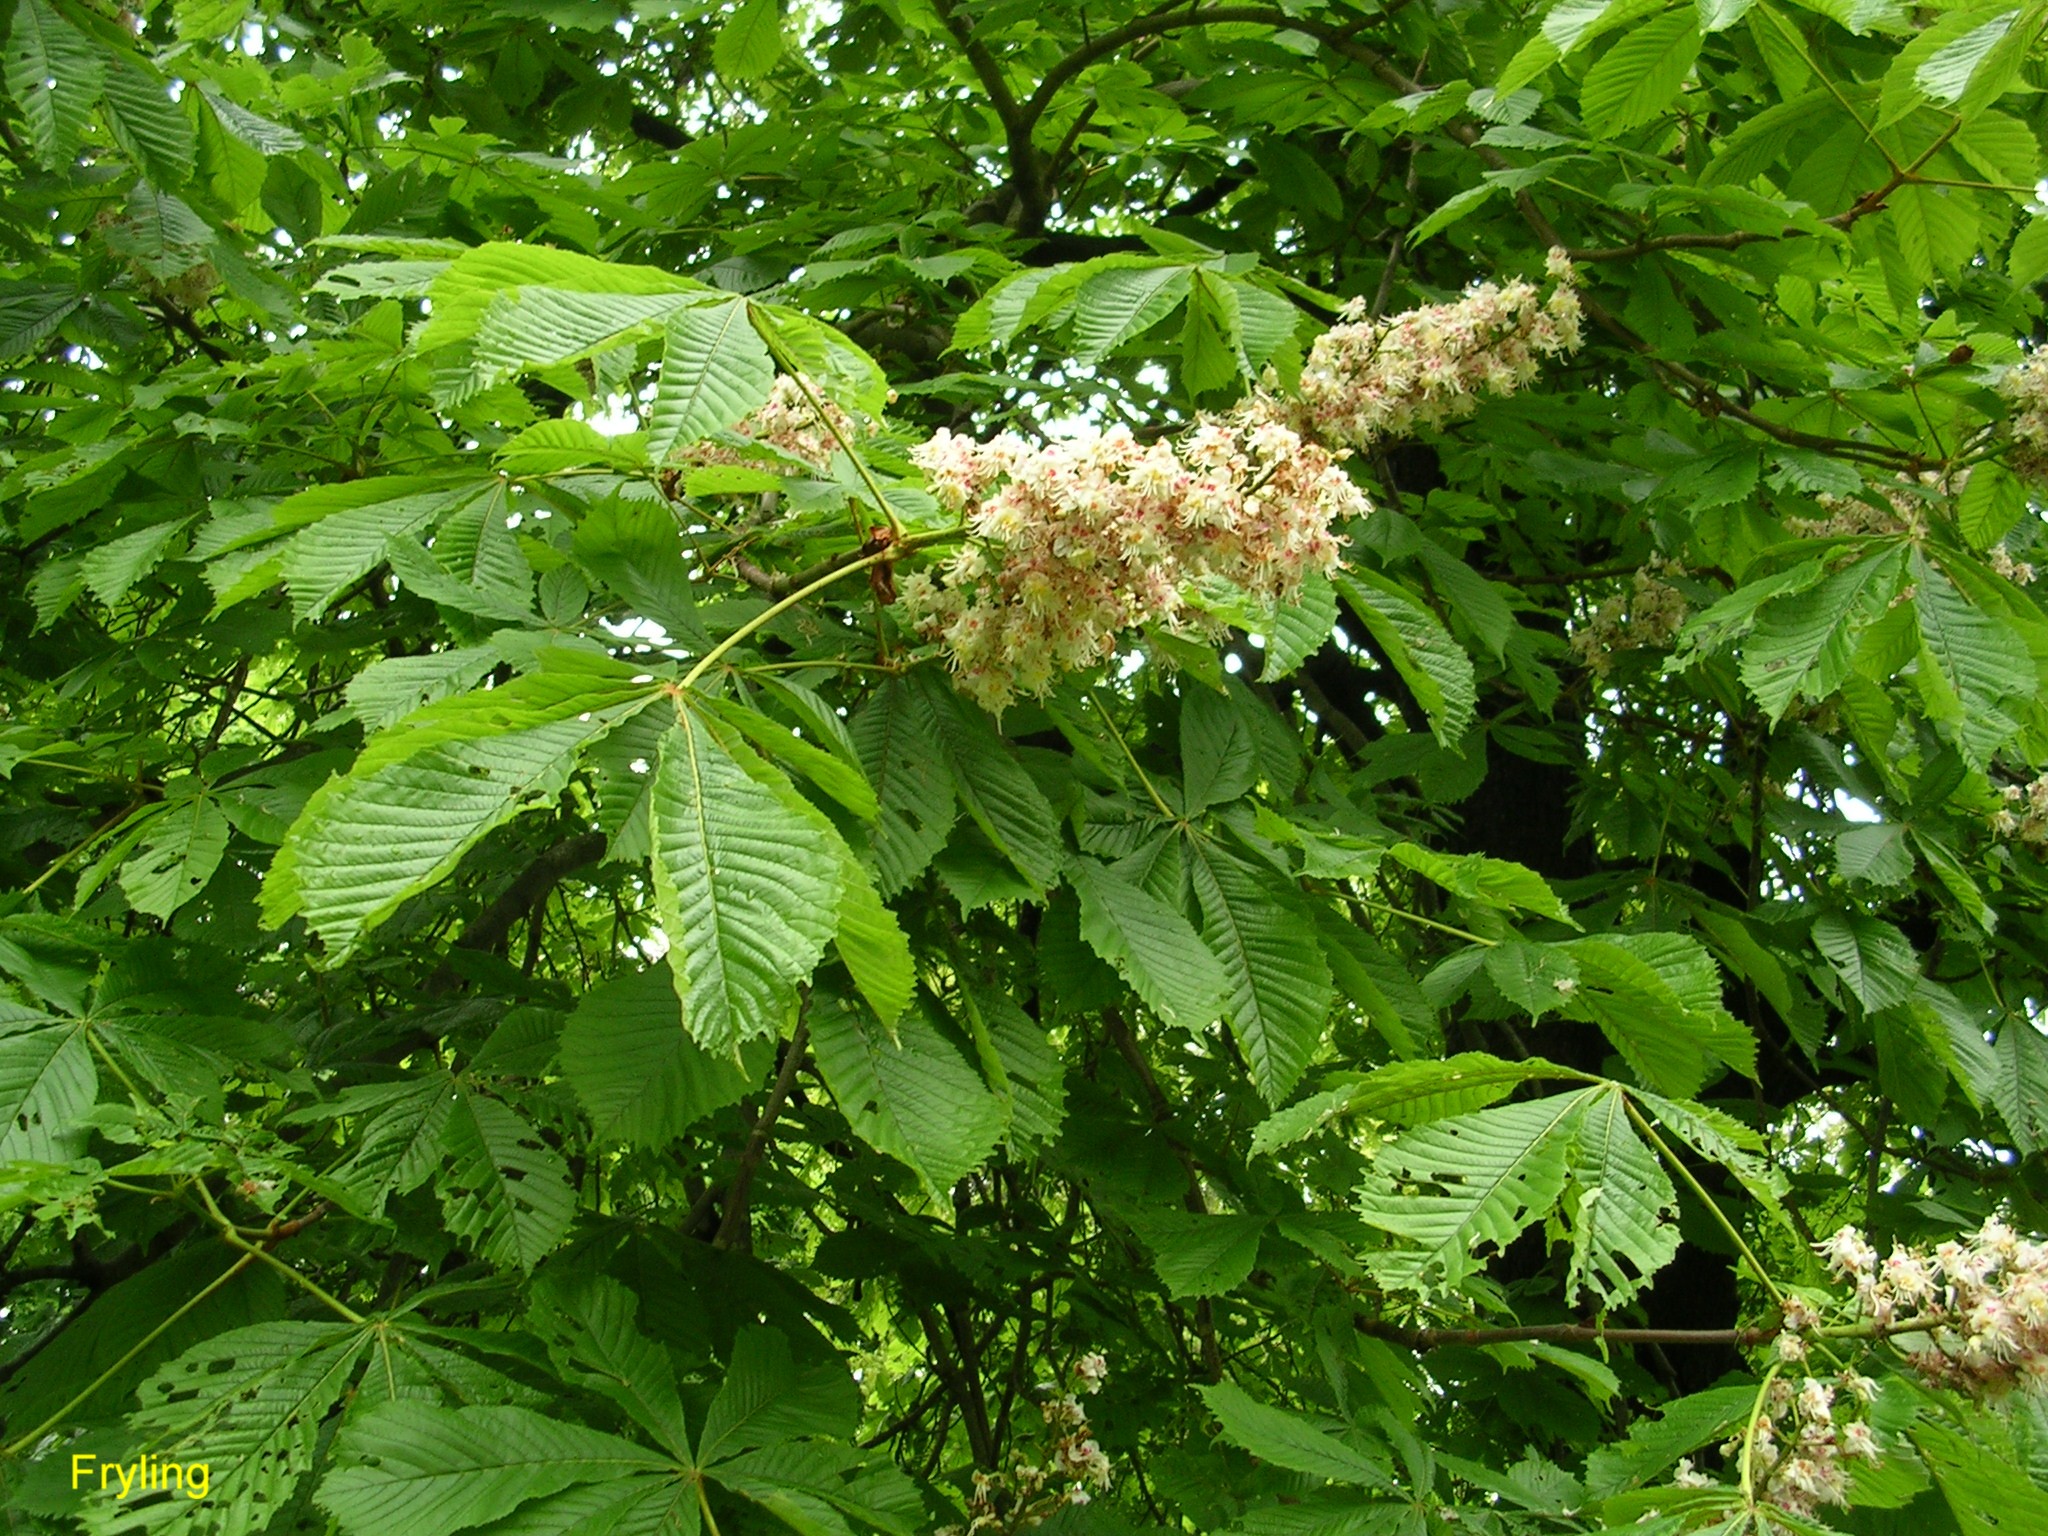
(504, 1191)
(1151, 945)
(747, 878)
(1278, 1002)
(641, 1076)
(1300, 1442)
(54, 75)
(913, 1096)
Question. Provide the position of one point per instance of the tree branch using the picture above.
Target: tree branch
(732, 1224)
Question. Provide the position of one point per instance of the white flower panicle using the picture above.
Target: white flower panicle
(1075, 1469)
(2024, 816)
(1366, 379)
(1970, 1315)
(1649, 612)
(1801, 1444)
(1073, 542)
(788, 422)
(2026, 386)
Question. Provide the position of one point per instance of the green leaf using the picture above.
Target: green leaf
(1151, 945)
(148, 125)
(430, 1471)
(1315, 1446)
(831, 772)
(1947, 73)
(872, 945)
(403, 1130)
(1033, 1075)
(1492, 882)
(714, 370)
(1993, 500)
(1653, 1444)
(177, 856)
(1978, 661)
(1656, 996)
(2026, 264)
(1987, 1493)
(747, 879)
(594, 1319)
(1300, 628)
(640, 1076)
(1279, 1000)
(2020, 1090)
(1434, 666)
(505, 1193)
(364, 845)
(1802, 645)
(1380, 984)
(1871, 956)
(47, 1084)
(893, 733)
(765, 1400)
(1416, 1092)
(1218, 762)
(54, 75)
(992, 784)
(1621, 1205)
(913, 1097)
(1452, 209)
(1640, 76)
(324, 560)
(750, 43)
(1115, 305)
(1455, 1185)
(388, 690)
(251, 1404)
(1200, 1255)
(1212, 338)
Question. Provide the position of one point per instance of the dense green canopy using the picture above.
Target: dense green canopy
(926, 765)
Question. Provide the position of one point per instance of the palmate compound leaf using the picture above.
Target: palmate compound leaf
(747, 881)
(430, 1471)
(1257, 924)
(250, 1403)
(1500, 1170)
